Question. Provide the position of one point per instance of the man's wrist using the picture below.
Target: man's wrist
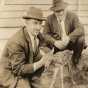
(55, 43)
(37, 65)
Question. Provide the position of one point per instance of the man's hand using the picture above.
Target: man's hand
(45, 61)
(66, 40)
(61, 44)
(47, 58)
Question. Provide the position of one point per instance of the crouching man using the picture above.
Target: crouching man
(22, 62)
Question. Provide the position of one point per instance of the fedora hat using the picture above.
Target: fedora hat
(34, 13)
(58, 5)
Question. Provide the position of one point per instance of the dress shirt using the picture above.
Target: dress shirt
(63, 32)
(33, 41)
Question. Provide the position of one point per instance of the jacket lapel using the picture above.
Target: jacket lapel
(37, 47)
(68, 23)
(56, 26)
(30, 50)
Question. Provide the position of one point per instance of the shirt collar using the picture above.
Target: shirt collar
(63, 19)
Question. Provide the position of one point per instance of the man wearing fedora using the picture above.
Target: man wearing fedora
(63, 30)
(22, 62)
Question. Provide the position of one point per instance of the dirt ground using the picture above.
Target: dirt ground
(65, 76)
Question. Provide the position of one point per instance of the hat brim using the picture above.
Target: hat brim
(59, 7)
(27, 17)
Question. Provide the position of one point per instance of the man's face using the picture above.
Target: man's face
(33, 26)
(60, 13)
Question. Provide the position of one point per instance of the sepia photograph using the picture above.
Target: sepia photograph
(43, 44)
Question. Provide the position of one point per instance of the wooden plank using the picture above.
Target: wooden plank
(84, 20)
(14, 13)
(71, 1)
(25, 7)
(19, 14)
(72, 7)
(11, 22)
(10, 2)
(22, 7)
(6, 23)
(13, 19)
(83, 13)
(83, 7)
(28, 1)
(86, 29)
(11, 14)
(6, 33)
(83, 2)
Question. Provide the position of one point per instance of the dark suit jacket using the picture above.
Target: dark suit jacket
(73, 28)
(18, 53)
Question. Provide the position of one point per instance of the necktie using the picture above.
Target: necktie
(35, 43)
(62, 27)
(63, 30)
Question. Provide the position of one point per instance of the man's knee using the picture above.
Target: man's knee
(81, 40)
(79, 44)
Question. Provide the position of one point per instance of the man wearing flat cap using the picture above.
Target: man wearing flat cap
(22, 62)
(63, 30)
